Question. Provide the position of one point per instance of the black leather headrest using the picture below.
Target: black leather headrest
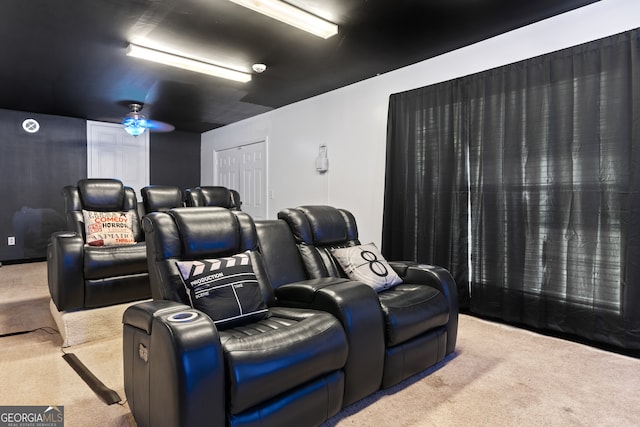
(320, 225)
(161, 198)
(216, 196)
(101, 194)
(211, 232)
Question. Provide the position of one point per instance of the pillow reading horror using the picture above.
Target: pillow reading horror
(366, 264)
(226, 289)
(108, 228)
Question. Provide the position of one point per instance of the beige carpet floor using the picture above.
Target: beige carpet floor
(499, 376)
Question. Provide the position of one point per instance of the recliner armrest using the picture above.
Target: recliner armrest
(173, 365)
(65, 275)
(439, 278)
(357, 307)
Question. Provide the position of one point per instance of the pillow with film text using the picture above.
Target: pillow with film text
(226, 289)
(108, 228)
(366, 264)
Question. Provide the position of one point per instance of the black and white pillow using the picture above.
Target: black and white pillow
(366, 264)
(226, 289)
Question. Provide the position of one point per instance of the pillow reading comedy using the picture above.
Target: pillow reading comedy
(108, 228)
(226, 289)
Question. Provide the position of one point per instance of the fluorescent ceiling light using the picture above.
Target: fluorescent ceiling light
(186, 63)
(291, 15)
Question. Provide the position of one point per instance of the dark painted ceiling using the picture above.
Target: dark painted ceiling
(67, 57)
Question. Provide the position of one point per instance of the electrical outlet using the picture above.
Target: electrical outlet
(11, 241)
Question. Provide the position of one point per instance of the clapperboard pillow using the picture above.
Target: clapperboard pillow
(226, 289)
(108, 228)
(366, 264)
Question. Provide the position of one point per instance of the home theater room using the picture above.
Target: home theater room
(319, 213)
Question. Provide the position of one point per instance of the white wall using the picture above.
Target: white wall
(352, 120)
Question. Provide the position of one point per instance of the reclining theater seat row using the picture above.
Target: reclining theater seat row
(182, 369)
(85, 277)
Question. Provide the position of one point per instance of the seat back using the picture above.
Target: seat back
(212, 196)
(161, 198)
(316, 230)
(185, 234)
(280, 252)
(100, 195)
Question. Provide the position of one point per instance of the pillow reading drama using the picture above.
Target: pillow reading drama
(108, 228)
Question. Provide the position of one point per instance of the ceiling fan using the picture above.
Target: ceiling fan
(135, 123)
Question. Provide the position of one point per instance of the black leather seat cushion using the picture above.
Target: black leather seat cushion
(411, 310)
(112, 261)
(280, 353)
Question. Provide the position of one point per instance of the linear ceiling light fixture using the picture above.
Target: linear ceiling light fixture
(291, 15)
(186, 63)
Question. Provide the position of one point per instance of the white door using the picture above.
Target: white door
(113, 153)
(244, 170)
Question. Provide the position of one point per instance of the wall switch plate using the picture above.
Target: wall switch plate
(11, 240)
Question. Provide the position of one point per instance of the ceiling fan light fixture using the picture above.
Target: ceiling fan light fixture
(185, 63)
(134, 122)
(291, 15)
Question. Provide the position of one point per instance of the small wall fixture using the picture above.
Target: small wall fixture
(186, 63)
(291, 15)
(31, 125)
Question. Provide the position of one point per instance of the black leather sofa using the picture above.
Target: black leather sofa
(183, 369)
(82, 276)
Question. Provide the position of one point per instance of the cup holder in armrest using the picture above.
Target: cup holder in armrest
(182, 316)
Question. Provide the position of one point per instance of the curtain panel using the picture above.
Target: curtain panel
(548, 148)
(426, 181)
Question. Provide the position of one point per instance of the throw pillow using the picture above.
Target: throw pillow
(108, 228)
(366, 264)
(226, 289)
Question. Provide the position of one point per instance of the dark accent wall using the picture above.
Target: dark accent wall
(175, 159)
(35, 167)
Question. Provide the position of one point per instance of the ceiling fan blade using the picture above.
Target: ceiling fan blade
(156, 126)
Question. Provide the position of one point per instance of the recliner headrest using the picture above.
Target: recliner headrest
(321, 225)
(161, 198)
(212, 232)
(101, 194)
(216, 196)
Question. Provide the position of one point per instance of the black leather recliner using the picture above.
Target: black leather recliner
(182, 369)
(213, 196)
(82, 276)
(420, 315)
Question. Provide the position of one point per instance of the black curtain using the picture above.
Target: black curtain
(553, 178)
